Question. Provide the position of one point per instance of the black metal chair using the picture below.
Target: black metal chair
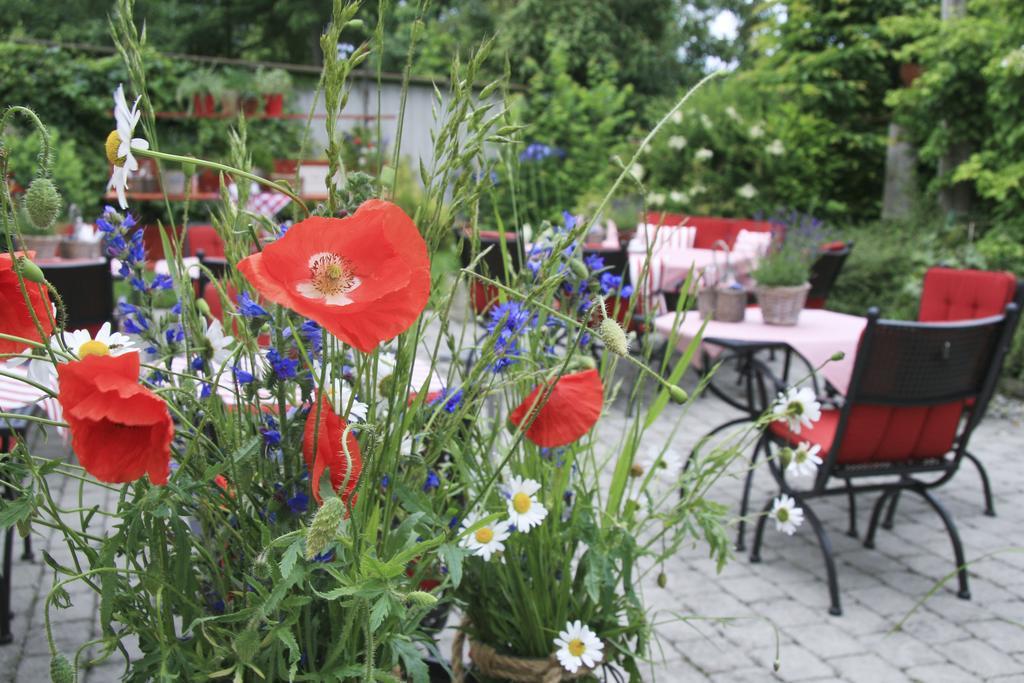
(216, 266)
(87, 288)
(825, 271)
(10, 430)
(492, 264)
(901, 420)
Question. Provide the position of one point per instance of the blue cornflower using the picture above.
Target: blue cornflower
(176, 308)
(249, 308)
(162, 281)
(137, 283)
(535, 151)
(432, 482)
(174, 333)
(594, 261)
(205, 390)
(136, 325)
(156, 377)
(450, 400)
(271, 437)
(610, 283)
(298, 503)
(384, 481)
(283, 366)
(326, 556)
(197, 363)
(311, 333)
(241, 376)
(626, 291)
(585, 339)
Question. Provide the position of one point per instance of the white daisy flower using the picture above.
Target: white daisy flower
(747, 191)
(487, 540)
(656, 199)
(678, 197)
(786, 514)
(578, 646)
(703, 154)
(120, 142)
(677, 142)
(775, 148)
(804, 460)
(81, 344)
(756, 131)
(219, 342)
(798, 408)
(524, 511)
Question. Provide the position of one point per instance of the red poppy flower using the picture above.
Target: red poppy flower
(571, 409)
(15, 316)
(119, 429)
(329, 453)
(365, 278)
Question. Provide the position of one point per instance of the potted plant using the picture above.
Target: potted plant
(204, 88)
(44, 241)
(782, 281)
(272, 84)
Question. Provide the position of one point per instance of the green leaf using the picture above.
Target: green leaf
(412, 660)
(246, 645)
(381, 610)
(14, 511)
(290, 557)
(452, 556)
(286, 636)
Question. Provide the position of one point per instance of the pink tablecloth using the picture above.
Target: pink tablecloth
(676, 265)
(819, 334)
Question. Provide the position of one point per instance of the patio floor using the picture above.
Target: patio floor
(947, 639)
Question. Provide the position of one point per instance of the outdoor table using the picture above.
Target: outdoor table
(669, 268)
(818, 335)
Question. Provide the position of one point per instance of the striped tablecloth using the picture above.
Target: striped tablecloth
(16, 395)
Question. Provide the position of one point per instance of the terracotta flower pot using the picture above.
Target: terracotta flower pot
(45, 246)
(80, 249)
(274, 104)
(782, 305)
(204, 105)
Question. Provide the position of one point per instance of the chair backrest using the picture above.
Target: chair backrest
(87, 288)
(481, 294)
(203, 238)
(710, 229)
(218, 266)
(910, 384)
(963, 294)
(825, 271)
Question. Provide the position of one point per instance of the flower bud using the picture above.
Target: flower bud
(636, 470)
(677, 394)
(61, 670)
(785, 457)
(838, 356)
(662, 580)
(356, 24)
(43, 202)
(422, 599)
(613, 336)
(30, 271)
(204, 308)
(579, 269)
(324, 528)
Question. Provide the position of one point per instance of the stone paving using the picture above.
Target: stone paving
(947, 639)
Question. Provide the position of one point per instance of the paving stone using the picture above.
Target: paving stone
(796, 663)
(712, 657)
(1003, 635)
(867, 668)
(939, 673)
(981, 659)
(903, 650)
(827, 640)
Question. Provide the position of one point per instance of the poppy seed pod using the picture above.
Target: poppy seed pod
(61, 670)
(324, 529)
(677, 394)
(613, 336)
(43, 202)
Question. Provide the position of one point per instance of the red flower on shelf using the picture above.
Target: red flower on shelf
(119, 429)
(365, 278)
(15, 314)
(570, 411)
(330, 455)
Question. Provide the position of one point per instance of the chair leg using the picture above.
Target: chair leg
(958, 549)
(891, 512)
(852, 505)
(990, 509)
(748, 482)
(824, 542)
(5, 589)
(876, 513)
(27, 553)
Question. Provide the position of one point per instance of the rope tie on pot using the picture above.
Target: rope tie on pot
(490, 662)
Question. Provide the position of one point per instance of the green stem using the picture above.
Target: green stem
(221, 167)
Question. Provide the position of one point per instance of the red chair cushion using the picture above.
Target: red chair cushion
(483, 296)
(880, 434)
(710, 229)
(204, 238)
(952, 294)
